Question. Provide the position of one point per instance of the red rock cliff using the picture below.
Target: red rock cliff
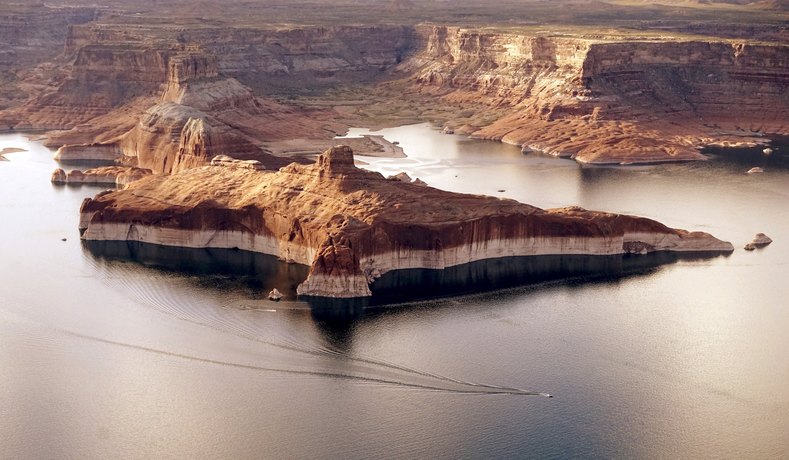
(352, 225)
(607, 99)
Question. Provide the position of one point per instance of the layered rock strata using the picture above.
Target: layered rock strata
(169, 97)
(351, 226)
(106, 175)
(145, 97)
(92, 152)
(30, 35)
(605, 99)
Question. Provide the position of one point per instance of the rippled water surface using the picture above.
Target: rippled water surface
(156, 354)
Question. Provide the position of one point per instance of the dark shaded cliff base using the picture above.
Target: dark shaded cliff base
(352, 226)
(261, 273)
(167, 86)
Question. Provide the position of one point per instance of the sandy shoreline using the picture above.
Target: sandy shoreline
(9, 150)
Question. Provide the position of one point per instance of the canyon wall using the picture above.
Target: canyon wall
(167, 97)
(268, 60)
(606, 100)
(727, 85)
(31, 36)
(128, 86)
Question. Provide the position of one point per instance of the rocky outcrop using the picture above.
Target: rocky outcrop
(104, 77)
(210, 68)
(149, 97)
(606, 99)
(759, 241)
(275, 295)
(228, 162)
(404, 177)
(171, 137)
(105, 175)
(351, 226)
(93, 152)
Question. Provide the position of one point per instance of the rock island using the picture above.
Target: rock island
(350, 225)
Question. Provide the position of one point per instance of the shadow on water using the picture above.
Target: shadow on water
(259, 273)
(753, 156)
(495, 274)
(337, 318)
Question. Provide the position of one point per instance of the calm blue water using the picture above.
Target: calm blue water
(103, 356)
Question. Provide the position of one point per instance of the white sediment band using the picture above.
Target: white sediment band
(406, 258)
(225, 239)
(103, 152)
(375, 265)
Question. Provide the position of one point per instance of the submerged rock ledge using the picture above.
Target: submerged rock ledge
(351, 226)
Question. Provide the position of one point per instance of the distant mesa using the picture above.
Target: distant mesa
(351, 226)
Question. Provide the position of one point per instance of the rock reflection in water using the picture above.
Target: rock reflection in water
(336, 319)
(259, 271)
(741, 157)
(510, 272)
(263, 272)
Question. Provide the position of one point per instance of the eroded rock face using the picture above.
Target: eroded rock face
(597, 98)
(607, 100)
(350, 225)
(171, 137)
(101, 152)
(761, 240)
(31, 34)
(105, 175)
(150, 98)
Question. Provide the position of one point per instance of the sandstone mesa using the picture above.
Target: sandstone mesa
(351, 226)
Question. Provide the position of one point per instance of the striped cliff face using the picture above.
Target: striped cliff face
(351, 226)
(605, 99)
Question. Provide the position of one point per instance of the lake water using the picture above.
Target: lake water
(136, 352)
